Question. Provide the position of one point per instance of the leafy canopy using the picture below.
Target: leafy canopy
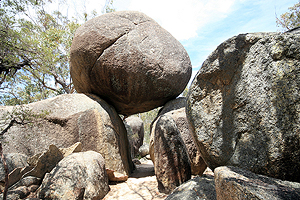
(34, 50)
(290, 19)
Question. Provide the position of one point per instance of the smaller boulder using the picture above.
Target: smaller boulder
(176, 109)
(44, 162)
(78, 176)
(200, 188)
(116, 176)
(171, 162)
(136, 135)
(235, 183)
(27, 181)
(144, 150)
(15, 176)
(17, 194)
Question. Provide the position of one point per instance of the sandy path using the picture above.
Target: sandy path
(141, 185)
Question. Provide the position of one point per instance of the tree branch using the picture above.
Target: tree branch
(6, 173)
(61, 82)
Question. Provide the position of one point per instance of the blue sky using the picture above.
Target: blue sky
(201, 25)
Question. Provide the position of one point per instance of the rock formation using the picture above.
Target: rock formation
(200, 188)
(136, 137)
(243, 105)
(234, 183)
(13, 160)
(144, 150)
(171, 162)
(127, 59)
(176, 110)
(78, 176)
(73, 118)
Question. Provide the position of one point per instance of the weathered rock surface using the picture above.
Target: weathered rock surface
(136, 136)
(233, 183)
(244, 105)
(15, 176)
(27, 181)
(73, 118)
(197, 188)
(176, 110)
(127, 59)
(18, 193)
(144, 150)
(75, 148)
(78, 176)
(170, 158)
(13, 160)
(46, 162)
(115, 176)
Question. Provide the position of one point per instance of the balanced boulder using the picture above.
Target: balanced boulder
(243, 105)
(130, 61)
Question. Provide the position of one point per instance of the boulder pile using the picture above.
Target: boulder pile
(123, 63)
(240, 118)
(72, 118)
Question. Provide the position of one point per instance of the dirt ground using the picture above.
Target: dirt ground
(141, 185)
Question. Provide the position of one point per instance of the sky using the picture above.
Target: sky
(200, 25)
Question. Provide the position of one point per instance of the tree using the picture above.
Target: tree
(34, 52)
(290, 19)
(108, 6)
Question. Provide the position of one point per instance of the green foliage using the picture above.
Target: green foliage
(290, 19)
(34, 52)
(185, 92)
(108, 6)
(20, 115)
(148, 118)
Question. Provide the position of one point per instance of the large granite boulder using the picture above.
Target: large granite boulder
(233, 183)
(78, 176)
(129, 60)
(136, 136)
(176, 109)
(72, 118)
(243, 105)
(170, 158)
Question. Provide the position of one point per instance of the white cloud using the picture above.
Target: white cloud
(183, 18)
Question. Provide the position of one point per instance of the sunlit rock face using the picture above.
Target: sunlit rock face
(129, 60)
(244, 105)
